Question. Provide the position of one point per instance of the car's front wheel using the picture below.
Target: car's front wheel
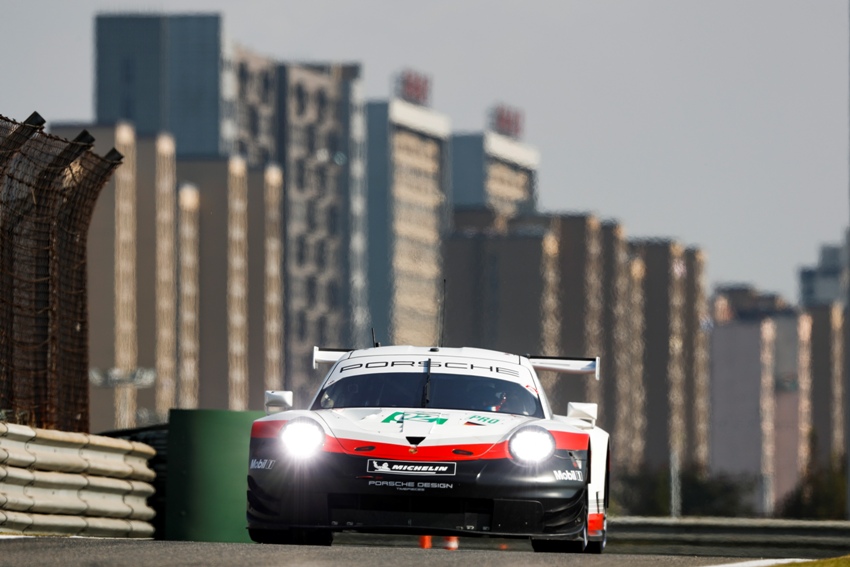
(597, 546)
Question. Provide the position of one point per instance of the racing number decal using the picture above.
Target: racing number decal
(400, 416)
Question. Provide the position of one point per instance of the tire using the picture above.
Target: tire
(267, 536)
(597, 546)
(314, 537)
(292, 537)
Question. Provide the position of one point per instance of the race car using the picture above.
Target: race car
(431, 441)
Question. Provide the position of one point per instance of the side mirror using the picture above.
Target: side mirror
(278, 400)
(584, 411)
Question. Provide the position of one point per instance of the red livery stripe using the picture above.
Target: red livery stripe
(563, 440)
(266, 429)
(572, 441)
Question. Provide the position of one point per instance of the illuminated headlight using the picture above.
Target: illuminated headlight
(302, 439)
(532, 445)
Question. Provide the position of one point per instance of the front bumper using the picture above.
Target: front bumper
(339, 491)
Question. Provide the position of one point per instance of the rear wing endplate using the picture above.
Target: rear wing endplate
(566, 365)
(327, 355)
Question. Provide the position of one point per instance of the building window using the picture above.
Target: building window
(302, 326)
(300, 99)
(312, 291)
(321, 105)
(333, 221)
(322, 331)
(333, 295)
(300, 174)
(321, 254)
(312, 139)
(333, 142)
(268, 87)
(254, 121)
(301, 250)
(312, 223)
(244, 76)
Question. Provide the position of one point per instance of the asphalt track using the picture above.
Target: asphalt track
(53, 551)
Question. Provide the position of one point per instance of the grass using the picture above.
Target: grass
(834, 562)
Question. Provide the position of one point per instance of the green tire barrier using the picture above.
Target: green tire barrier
(207, 475)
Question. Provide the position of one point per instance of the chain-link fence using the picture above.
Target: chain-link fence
(48, 189)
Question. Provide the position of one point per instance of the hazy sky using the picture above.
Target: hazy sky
(722, 124)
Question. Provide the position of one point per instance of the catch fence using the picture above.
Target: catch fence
(48, 189)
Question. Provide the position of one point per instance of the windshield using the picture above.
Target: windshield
(434, 390)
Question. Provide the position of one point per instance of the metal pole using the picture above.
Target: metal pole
(675, 485)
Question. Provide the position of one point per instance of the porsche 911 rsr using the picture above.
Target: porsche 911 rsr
(442, 441)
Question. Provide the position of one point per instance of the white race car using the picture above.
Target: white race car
(440, 441)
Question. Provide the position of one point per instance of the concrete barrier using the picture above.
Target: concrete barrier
(765, 537)
(61, 483)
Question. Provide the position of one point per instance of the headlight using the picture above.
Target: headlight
(302, 439)
(532, 445)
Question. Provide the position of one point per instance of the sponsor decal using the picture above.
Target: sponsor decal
(481, 419)
(401, 417)
(433, 364)
(411, 467)
(412, 486)
(569, 475)
(266, 464)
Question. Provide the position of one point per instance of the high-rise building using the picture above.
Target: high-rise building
(696, 362)
(622, 411)
(321, 145)
(221, 101)
(629, 439)
(663, 354)
(179, 73)
(827, 282)
(409, 193)
(828, 381)
(579, 244)
(494, 169)
(761, 380)
(239, 295)
(792, 410)
(505, 295)
(759, 403)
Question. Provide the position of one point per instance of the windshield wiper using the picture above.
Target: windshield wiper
(426, 391)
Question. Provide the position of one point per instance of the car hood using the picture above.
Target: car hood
(473, 433)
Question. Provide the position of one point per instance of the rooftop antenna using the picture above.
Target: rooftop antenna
(374, 341)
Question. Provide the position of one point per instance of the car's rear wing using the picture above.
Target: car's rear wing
(327, 355)
(566, 365)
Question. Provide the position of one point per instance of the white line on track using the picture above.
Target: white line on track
(762, 562)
